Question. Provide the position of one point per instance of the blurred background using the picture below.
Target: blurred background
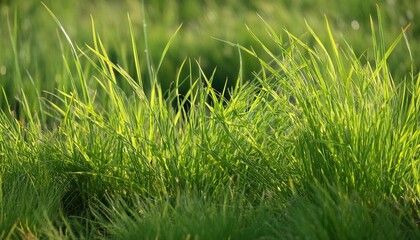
(32, 48)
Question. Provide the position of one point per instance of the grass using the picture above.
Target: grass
(26, 24)
(322, 144)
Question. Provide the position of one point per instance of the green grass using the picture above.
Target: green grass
(323, 143)
(25, 25)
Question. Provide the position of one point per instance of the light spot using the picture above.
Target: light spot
(355, 25)
(410, 14)
(3, 70)
(391, 2)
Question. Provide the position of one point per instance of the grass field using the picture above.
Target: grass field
(191, 120)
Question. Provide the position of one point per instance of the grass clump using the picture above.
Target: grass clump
(321, 144)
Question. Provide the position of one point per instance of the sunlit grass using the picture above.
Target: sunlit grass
(323, 143)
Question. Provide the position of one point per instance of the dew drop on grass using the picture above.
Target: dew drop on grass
(3, 70)
(409, 14)
(355, 25)
(391, 2)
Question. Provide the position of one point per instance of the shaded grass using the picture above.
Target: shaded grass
(334, 214)
(188, 217)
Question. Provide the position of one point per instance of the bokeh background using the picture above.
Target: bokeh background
(32, 48)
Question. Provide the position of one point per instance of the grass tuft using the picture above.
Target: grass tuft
(323, 143)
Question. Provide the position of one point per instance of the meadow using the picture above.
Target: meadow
(209, 119)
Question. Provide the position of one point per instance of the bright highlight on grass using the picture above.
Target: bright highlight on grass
(322, 144)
